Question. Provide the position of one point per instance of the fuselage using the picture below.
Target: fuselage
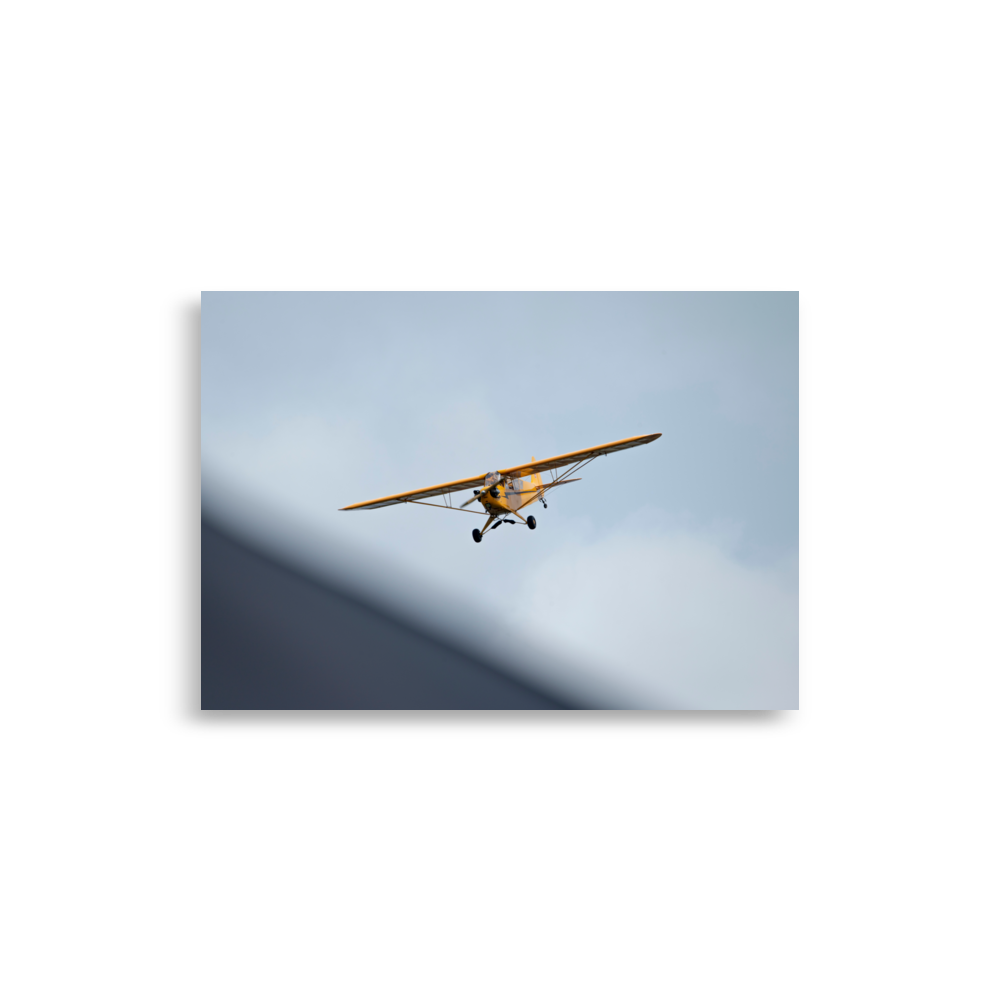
(512, 494)
(495, 504)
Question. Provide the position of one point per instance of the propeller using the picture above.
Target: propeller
(493, 491)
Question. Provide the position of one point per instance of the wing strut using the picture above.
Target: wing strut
(564, 477)
(441, 505)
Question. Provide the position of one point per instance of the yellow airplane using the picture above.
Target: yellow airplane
(508, 491)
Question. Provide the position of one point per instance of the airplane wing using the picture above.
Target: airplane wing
(572, 457)
(476, 482)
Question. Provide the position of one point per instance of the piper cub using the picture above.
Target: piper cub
(508, 491)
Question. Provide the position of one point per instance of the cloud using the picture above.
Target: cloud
(311, 402)
(673, 615)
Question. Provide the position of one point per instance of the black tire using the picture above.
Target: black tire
(477, 535)
(531, 522)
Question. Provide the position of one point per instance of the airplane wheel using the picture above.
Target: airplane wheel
(477, 535)
(531, 522)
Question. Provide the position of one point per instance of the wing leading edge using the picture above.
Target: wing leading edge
(572, 457)
(545, 465)
(430, 491)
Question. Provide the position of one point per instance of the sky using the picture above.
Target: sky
(667, 576)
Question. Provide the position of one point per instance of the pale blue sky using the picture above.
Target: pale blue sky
(686, 549)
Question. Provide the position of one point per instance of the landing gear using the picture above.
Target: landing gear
(531, 522)
(477, 535)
